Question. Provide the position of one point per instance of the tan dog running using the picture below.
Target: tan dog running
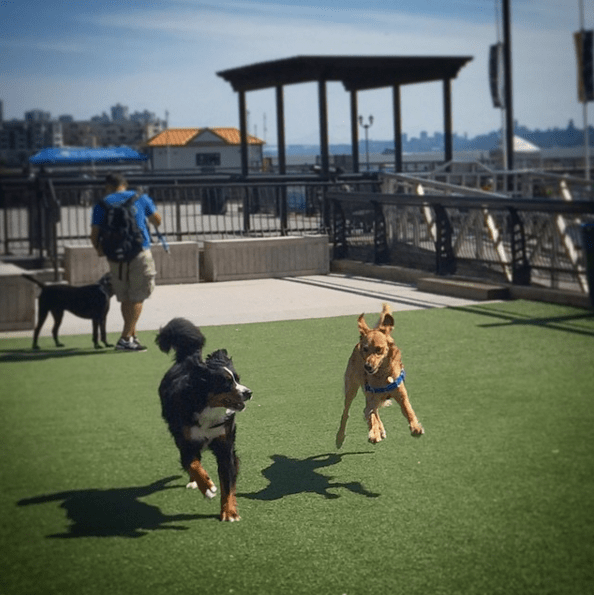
(376, 366)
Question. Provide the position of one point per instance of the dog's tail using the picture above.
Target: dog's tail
(183, 337)
(32, 278)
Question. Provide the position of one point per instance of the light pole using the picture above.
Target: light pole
(167, 137)
(366, 126)
(585, 102)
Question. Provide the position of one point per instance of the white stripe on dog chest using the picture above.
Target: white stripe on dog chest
(210, 423)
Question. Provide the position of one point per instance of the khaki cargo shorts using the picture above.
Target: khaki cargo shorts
(134, 281)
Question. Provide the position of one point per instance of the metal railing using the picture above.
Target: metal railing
(415, 222)
(40, 216)
(477, 235)
(462, 177)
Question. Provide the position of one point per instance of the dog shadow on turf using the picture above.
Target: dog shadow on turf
(289, 476)
(28, 355)
(116, 512)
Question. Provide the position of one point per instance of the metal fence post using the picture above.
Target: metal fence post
(519, 260)
(380, 239)
(246, 209)
(282, 197)
(339, 234)
(445, 260)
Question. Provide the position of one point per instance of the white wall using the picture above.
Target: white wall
(185, 157)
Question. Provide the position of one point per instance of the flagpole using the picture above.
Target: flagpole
(585, 105)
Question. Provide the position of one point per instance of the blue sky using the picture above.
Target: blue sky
(82, 57)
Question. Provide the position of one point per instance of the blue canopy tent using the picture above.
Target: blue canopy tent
(78, 155)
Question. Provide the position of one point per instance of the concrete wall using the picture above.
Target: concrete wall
(82, 266)
(257, 258)
(17, 299)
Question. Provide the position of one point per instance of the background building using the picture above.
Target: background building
(19, 139)
(203, 150)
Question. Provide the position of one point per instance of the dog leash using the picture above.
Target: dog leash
(389, 387)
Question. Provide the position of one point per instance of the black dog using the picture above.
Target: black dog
(199, 400)
(89, 301)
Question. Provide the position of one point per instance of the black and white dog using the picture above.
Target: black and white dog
(199, 400)
(88, 301)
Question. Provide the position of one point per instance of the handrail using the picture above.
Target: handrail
(478, 202)
(462, 190)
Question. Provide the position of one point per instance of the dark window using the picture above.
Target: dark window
(208, 159)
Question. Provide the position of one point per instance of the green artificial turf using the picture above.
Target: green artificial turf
(497, 497)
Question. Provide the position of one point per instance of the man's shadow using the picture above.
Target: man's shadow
(295, 476)
(116, 512)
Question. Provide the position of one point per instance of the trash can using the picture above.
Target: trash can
(588, 248)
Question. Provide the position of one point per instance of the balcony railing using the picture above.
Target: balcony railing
(522, 241)
(415, 222)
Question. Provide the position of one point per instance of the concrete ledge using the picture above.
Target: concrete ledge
(552, 296)
(180, 265)
(377, 271)
(259, 258)
(463, 289)
(17, 299)
(82, 266)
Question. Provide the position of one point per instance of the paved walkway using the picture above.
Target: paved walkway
(261, 300)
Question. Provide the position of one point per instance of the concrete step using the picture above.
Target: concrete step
(464, 289)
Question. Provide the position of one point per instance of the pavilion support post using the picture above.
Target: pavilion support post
(355, 132)
(398, 168)
(447, 120)
(323, 107)
(507, 73)
(243, 133)
(282, 158)
(280, 130)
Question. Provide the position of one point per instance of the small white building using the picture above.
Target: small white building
(203, 150)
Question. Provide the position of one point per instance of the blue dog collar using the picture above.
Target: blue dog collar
(390, 387)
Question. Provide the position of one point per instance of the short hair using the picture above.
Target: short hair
(115, 180)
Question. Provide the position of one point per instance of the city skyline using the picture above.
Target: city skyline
(77, 58)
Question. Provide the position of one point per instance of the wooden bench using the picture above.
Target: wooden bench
(258, 258)
(82, 266)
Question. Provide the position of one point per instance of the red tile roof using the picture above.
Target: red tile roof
(180, 137)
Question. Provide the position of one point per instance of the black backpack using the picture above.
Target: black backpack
(120, 238)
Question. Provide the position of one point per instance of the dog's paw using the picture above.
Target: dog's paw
(230, 516)
(339, 440)
(375, 437)
(193, 485)
(211, 492)
(416, 430)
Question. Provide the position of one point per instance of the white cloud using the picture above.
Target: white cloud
(174, 55)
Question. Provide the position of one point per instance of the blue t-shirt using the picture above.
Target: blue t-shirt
(143, 207)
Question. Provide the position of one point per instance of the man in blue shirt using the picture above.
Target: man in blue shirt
(132, 282)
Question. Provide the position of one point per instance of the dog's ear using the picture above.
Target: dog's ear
(363, 328)
(386, 323)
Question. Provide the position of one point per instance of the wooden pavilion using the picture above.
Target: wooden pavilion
(356, 73)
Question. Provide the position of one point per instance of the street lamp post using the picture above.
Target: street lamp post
(366, 126)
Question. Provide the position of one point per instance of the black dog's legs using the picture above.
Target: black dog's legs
(43, 312)
(101, 324)
(96, 333)
(228, 465)
(58, 315)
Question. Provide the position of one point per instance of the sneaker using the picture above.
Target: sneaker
(139, 347)
(129, 345)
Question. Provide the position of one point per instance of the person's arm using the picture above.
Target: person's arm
(95, 239)
(155, 219)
